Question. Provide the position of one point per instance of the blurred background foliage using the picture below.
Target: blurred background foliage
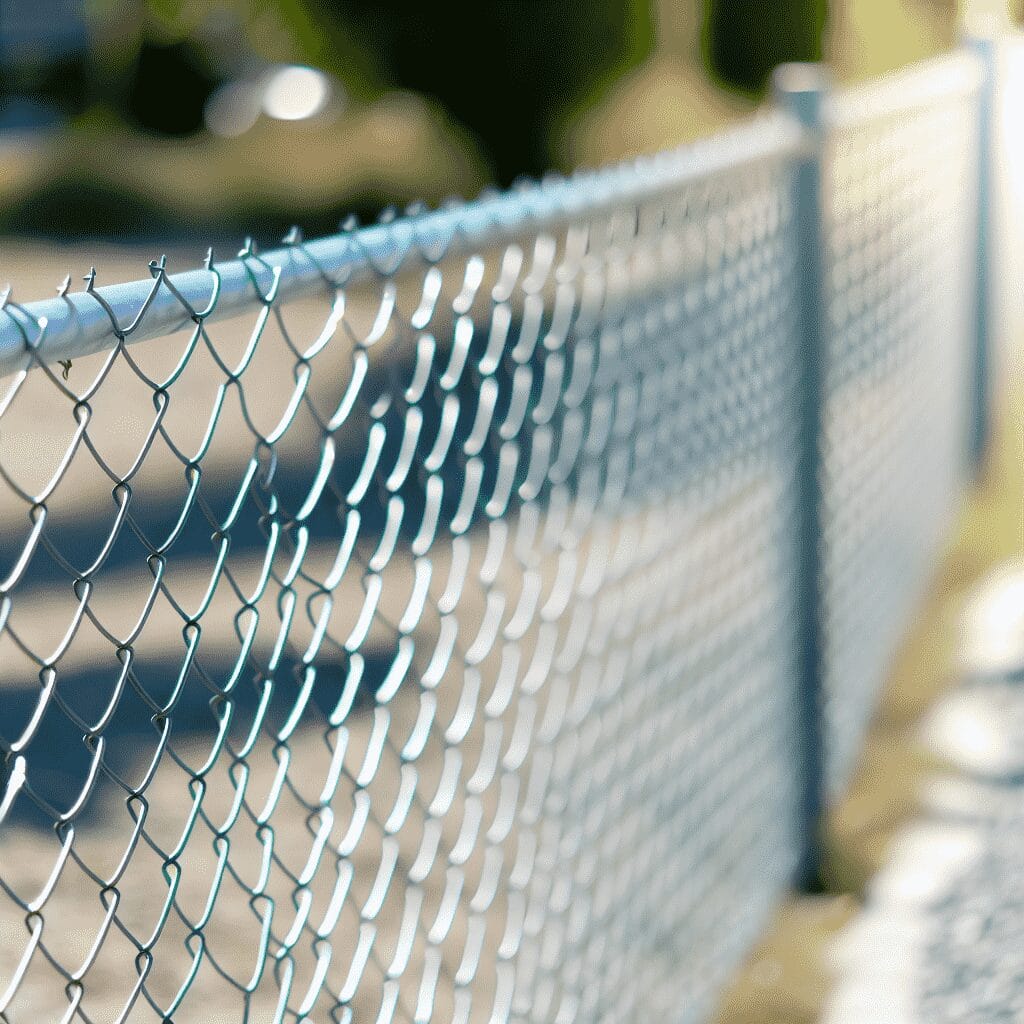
(176, 118)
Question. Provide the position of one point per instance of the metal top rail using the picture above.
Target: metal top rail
(81, 323)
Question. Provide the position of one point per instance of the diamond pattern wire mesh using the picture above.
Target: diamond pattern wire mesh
(900, 189)
(417, 649)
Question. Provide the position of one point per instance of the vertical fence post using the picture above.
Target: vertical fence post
(801, 89)
(982, 40)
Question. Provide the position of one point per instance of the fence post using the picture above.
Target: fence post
(982, 40)
(801, 89)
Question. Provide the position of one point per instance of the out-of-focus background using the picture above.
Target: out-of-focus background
(174, 119)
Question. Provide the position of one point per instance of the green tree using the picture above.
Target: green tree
(745, 39)
(508, 70)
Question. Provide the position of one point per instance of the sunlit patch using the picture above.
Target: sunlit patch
(992, 640)
(925, 859)
(955, 797)
(232, 109)
(980, 730)
(294, 93)
(284, 93)
(878, 958)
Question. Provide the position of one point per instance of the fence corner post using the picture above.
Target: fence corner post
(983, 40)
(801, 90)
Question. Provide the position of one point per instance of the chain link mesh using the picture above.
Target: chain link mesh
(900, 230)
(417, 650)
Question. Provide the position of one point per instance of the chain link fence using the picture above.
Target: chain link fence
(409, 626)
(899, 238)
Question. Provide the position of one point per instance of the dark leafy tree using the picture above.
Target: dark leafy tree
(745, 39)
(508, 70)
